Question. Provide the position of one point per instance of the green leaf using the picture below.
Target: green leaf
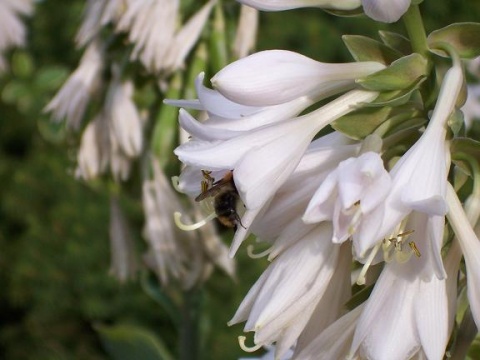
(456, 122)
(359, 298)
(361, 123)
(128, 342)
(401, 74)
(14, 91)
(464, 37)
(396, 41)
(218, 54)
(465, 154)
(364, 48)
(403, 118)
(51, 78)
(22, 64)
(396, 97)
(152, 288)
(164, 136)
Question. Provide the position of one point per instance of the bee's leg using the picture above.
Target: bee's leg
(239, 221)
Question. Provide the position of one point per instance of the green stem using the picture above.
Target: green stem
(416, 31)
(190, 329)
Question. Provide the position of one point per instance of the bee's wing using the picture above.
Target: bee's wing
(214, 190)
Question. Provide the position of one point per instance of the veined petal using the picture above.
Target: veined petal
(333, 343)
(431, 317)
(385, 10)
(384, 316)
(276, 76)
(279, 5)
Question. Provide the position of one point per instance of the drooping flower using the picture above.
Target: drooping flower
(12, 29)
(97, 14)
(280, 304)
(419, 181)
(123, 262)
(72, 99)
(402, 302)
(152, 27)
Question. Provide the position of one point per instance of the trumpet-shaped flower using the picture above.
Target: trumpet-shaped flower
(72, 99)
(403, 303)
(12, 29)
(280, 304)
(152, 27)
(273, 77)
(419, 179)
(279, 5)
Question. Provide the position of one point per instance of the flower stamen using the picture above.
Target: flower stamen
(177, 216)
(261, 254)
(241, 342)
(361, 277)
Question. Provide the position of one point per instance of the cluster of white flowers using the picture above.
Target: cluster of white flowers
(321, 202)
(114, 136)
(12, 29)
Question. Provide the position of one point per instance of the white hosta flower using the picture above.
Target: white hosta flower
(419, 179)
(403, 303)
(124, 119)
(246, 32)
(279, 5)
(94, 152)
(273, 77)
(385, 10)
(152, 27)
(97, 14)
(280, 304)
(355, 188)
(123, 263)
(12, 29)
(72, 99)
(262, 159)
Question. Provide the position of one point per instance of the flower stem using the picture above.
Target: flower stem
(416, 31)
(189, 340)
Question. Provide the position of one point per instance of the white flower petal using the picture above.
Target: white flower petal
(385, 10)
(431, 317)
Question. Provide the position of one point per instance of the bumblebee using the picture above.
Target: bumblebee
(225, 198)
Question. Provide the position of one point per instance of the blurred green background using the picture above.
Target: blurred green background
(56, 293)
